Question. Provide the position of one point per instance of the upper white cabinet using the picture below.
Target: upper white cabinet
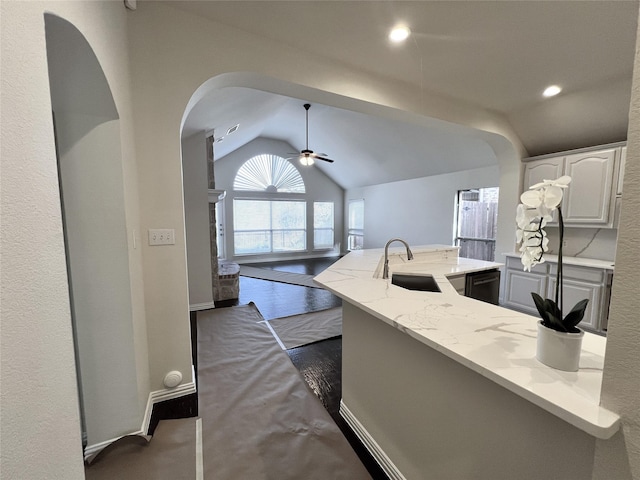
(539, 170)
(589, 196)
(623, 161)
(590, 199)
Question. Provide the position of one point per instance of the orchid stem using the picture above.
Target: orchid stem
(559, 274)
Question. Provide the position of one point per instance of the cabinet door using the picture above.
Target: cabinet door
(588, 198)
(572, 292)
(539, 170)
(623, 161)
(520, 284)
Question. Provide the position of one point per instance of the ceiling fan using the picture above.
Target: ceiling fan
(306, 156)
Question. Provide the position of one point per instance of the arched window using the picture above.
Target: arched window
(268, 173)
(269, 207)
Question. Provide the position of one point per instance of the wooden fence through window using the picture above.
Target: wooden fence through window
(477, 228)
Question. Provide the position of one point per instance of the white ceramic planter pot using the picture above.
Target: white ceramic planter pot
(559, 350)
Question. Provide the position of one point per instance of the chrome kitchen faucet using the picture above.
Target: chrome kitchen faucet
(385, 271)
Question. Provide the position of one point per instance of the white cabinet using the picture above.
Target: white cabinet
(589, 196)
(578, 283)
(574, 291)
(539, 170)
(623, 161)
(590, 199)
(519, 288)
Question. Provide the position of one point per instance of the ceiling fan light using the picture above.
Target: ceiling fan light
(306, 160)
(552, 91)
(399, 33)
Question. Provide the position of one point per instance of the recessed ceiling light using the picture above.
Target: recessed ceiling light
(552, 91)
(399, 33)
(233, 129)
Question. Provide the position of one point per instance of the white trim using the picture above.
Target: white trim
(370, 444)
(199, 461)
(195, 307)
(163, 395)
(91, 451)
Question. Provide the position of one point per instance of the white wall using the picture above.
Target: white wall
(420, 211)
(319, 188)
(619, 457)
(91, 176)
(39, 403)
(196, 219)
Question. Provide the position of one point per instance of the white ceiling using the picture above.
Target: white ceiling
(498, 55)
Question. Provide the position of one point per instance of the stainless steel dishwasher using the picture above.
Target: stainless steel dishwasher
(484, 285)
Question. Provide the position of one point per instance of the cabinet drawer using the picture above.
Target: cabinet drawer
(515, 264)
(585, 274)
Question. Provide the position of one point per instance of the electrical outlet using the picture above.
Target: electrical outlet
(162, 236)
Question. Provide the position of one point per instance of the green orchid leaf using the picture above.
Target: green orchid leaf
(575, 316)
(553, 309)
(549, 312)
(540, 305)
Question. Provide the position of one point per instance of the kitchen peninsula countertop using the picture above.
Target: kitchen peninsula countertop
(578, 261)
(495, 342)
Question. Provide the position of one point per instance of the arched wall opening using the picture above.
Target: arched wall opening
(506, 170)
(88, 147)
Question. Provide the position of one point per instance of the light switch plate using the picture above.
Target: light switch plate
(162, 236)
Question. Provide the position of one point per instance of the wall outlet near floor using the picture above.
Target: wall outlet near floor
(162, 236)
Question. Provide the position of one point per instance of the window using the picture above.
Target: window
(268, 173)
(477, 223)
(323, 225)
(272, 216)
(264, 226)
(355, 238)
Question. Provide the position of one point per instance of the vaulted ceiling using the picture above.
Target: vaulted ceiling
(496, 55)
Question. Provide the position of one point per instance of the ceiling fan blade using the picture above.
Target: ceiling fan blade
(317, 157)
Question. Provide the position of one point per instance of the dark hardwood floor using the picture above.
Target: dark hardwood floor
(320, 363)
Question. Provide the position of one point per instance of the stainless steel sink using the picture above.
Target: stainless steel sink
(423, 283)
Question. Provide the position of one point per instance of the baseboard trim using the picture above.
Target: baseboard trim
(196, 307)
(157, 396)
(92, 451)
(370, 444)
(162, 395)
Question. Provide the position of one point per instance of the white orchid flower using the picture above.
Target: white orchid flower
(562, 182)
(546, 194)
(533, 214)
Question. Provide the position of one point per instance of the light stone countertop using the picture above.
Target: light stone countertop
(496, 342)
(578, 261)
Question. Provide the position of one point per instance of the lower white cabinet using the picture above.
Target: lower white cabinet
(578, 283)
(572, 292)
(520, 284)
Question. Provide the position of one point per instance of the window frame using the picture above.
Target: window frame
(332, 228)
(271, 199)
